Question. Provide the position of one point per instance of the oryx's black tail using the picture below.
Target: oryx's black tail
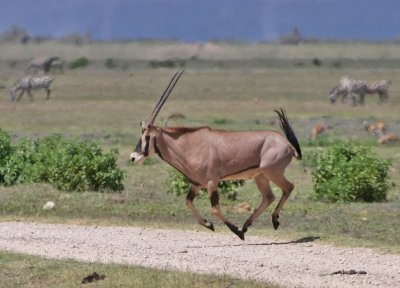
(285, 126)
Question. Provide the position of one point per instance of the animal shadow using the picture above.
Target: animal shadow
(298, 241)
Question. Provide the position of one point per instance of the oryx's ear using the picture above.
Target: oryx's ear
(143, 124)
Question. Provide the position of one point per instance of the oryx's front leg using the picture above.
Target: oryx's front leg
(216, 210)
(267, 198)
(193, 192)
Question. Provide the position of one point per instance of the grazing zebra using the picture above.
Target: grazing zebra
(381, 87)
(350, 89)
(337, 91)
(43, 63)
(354, 90)
(28, 84)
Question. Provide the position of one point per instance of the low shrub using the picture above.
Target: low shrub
(110, 63)
(221, 121)
(347, 172)
(178, 185)
(169, 63)
(5, 152)
(70, 165)
(81, 62)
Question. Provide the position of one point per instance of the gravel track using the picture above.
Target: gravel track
(301, 263)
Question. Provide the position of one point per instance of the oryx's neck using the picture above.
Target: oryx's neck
(169, 145)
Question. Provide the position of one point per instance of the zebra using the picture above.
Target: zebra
(381, 87)
(45, 64)
(28, 84)
(345, 90)
(355, 90)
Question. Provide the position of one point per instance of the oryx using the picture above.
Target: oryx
(206, 156)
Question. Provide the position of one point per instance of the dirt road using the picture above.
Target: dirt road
(301, 263)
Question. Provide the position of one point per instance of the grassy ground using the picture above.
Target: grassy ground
(234, 89)
(27, 271)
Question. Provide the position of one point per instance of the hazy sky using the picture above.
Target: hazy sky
(202, 20)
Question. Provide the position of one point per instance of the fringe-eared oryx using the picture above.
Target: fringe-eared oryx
(206, 156)
(28, 84)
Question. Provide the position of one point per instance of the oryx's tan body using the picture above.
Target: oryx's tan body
(207, 156)
(204, 154)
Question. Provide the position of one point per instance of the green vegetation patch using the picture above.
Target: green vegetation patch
(81, 62)
(70, 165)
(178, 185)
(18, 270)
(348, 172)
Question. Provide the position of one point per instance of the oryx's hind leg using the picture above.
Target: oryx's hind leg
(267, 198)
(216, 210)
(287, 187)
(194, 190)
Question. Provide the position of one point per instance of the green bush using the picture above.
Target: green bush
(5, 152)
(110, 63)
(346, 172)
(70, 165)
(79, 63)
(178, 185)
(221, 121)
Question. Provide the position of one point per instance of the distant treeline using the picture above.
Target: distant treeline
(17, 34)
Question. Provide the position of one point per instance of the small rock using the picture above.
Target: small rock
(49, 205)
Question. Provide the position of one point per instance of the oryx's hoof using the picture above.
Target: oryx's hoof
(209, 225)
(246, 225)
(239, 233)
(275, 221)
(235, 230)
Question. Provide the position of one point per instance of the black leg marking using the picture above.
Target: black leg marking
(214, 199)
(191, 195)
(235, 230)
(246, 225)
(275, 221)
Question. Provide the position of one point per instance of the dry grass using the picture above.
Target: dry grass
(108, 104)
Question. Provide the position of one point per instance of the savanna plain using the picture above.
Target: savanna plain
(231, 86)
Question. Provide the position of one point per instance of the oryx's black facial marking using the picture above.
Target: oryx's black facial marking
(146, 147)
(138, 148)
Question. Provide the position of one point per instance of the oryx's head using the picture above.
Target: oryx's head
(145, 146)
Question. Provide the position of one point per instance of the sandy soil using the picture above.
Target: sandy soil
(301, 263)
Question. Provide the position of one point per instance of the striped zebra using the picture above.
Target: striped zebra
(44, 63)
(381, 87)
(354, 91)
(345, 90)
(27, 84)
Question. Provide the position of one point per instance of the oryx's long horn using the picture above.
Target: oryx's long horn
(164, 96)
